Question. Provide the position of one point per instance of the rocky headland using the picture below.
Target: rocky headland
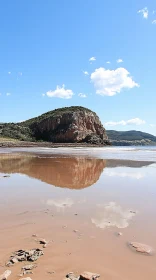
(70, 127)
(65, 125)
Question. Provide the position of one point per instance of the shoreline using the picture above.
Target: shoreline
(13, 143)
(25, 144)
(44, 149)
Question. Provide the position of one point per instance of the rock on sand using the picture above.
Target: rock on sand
(142, 248)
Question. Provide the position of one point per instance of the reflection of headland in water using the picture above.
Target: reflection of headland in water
(111, 163)
(65, 172)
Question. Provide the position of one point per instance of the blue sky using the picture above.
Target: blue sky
(56, 53)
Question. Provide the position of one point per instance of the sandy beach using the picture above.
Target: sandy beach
(88, 209)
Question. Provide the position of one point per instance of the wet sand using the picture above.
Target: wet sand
(79, 204)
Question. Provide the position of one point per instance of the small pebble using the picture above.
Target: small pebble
(50, 272)
(64, 227)
(42, 241)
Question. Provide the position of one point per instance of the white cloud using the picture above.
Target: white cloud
(144, 12)
(43, 94)
(85, 73)
(154, 21)
(82, 95)
(111, 82)
(8, 93)
(119, 60)
(108, 62)
(9, 72)
(135, 121)
(60, 92)
(93, 58)
(153, 125)
(20, 73)
(112, 215)
(60, 204)
(135, 175)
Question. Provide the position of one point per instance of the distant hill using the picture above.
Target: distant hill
(130, 138)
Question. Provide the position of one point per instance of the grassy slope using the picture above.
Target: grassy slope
(15, 131)
(6, 139)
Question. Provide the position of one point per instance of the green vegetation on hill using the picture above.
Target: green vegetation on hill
(131, 137)
(16, 131)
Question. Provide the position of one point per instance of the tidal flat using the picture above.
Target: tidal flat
(89, 204)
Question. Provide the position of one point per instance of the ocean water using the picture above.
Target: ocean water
(138, 153)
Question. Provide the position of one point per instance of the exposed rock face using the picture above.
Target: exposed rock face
(69, 125)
